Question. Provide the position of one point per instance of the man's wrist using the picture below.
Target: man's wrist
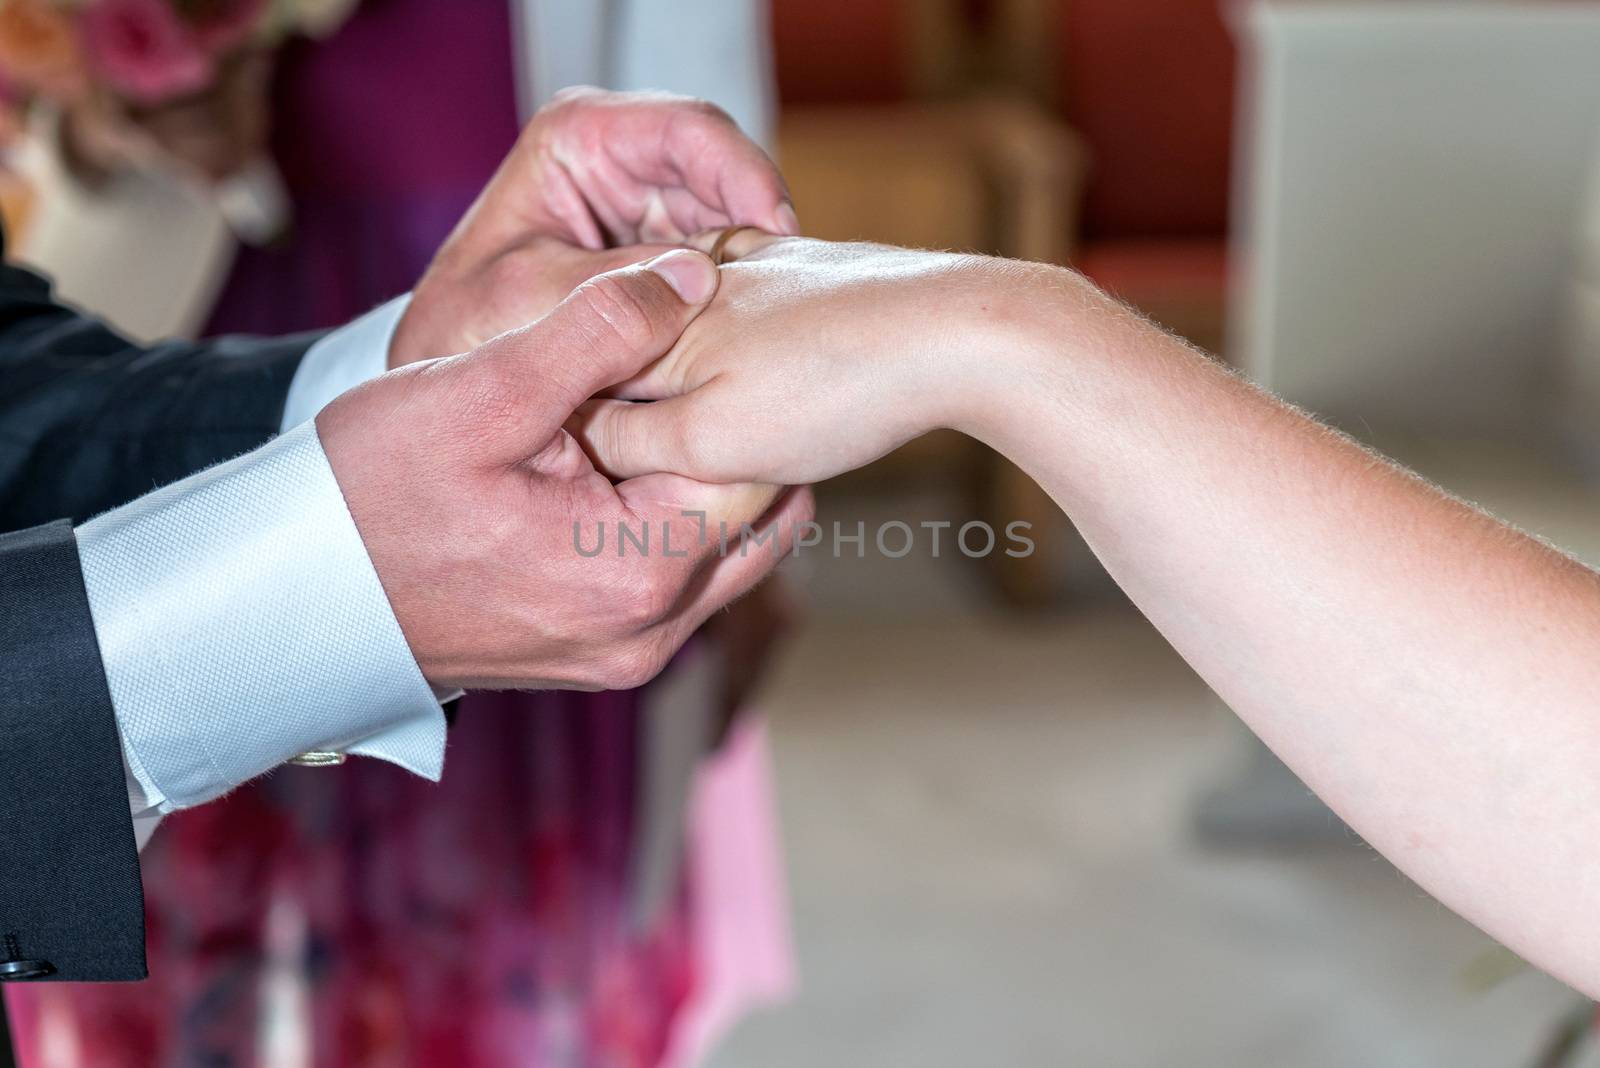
(343, 359)
(240, 622)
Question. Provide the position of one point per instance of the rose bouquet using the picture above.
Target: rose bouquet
(121, 61)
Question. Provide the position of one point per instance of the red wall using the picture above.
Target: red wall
(1149, 86)
(840, 51)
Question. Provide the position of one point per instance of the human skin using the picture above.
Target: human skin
(594, 181)
(597, 180)
(1431, 672)
(467, 493)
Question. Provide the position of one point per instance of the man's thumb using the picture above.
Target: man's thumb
(607, 330)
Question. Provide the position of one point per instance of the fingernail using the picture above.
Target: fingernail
(788, 221)
(691, 274)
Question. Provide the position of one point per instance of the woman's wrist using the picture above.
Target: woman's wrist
(996, 336)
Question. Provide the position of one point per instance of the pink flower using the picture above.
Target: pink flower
(144, 50)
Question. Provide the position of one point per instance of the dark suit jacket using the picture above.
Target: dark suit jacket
(88, 421)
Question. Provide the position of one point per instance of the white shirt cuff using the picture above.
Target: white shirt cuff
(342, 360)
(242, 623)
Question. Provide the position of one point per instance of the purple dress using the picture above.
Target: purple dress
(478, 922)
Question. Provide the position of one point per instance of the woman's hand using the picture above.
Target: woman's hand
(478, 521)
(815, 358)
(1430, 672)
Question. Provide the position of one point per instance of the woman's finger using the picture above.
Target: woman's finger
(627, 440)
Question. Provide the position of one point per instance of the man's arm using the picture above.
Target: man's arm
(1431, 672)
(294, 598)
(89, 692)
(89, 420)
(306, 594)
(71, 905)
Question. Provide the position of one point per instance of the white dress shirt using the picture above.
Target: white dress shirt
(240, 620)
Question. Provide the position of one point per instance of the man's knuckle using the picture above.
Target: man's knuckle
(618, 312)
(659, 591)
(640, 663)
(637, 597)
(650, 657)
(707, 110)
(568, 99)
(618, 302)
(624, 665)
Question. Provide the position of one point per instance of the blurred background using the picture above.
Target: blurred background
(1018, 830)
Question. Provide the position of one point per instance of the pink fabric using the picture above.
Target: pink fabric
(480, 923)
(555, 985)
(739, 914)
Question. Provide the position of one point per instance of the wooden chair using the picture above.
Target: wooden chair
(997, 175)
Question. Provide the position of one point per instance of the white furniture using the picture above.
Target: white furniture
(1412, 180)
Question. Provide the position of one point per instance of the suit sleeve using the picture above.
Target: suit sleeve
(71, 906)
(88, 421)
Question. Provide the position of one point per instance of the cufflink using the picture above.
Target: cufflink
(14, 967)
(318, 758)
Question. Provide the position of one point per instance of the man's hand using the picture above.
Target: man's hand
(464, 300)
(473, 503)
(592, 170)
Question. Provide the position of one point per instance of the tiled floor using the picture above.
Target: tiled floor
(988, 830)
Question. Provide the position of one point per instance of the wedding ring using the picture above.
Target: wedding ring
(318, 758)
(720, 245)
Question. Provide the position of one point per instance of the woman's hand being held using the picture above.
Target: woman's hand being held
(816, 358)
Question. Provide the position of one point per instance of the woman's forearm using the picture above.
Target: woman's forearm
(1433, 674)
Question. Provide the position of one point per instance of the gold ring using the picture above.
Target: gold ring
(720, 245)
